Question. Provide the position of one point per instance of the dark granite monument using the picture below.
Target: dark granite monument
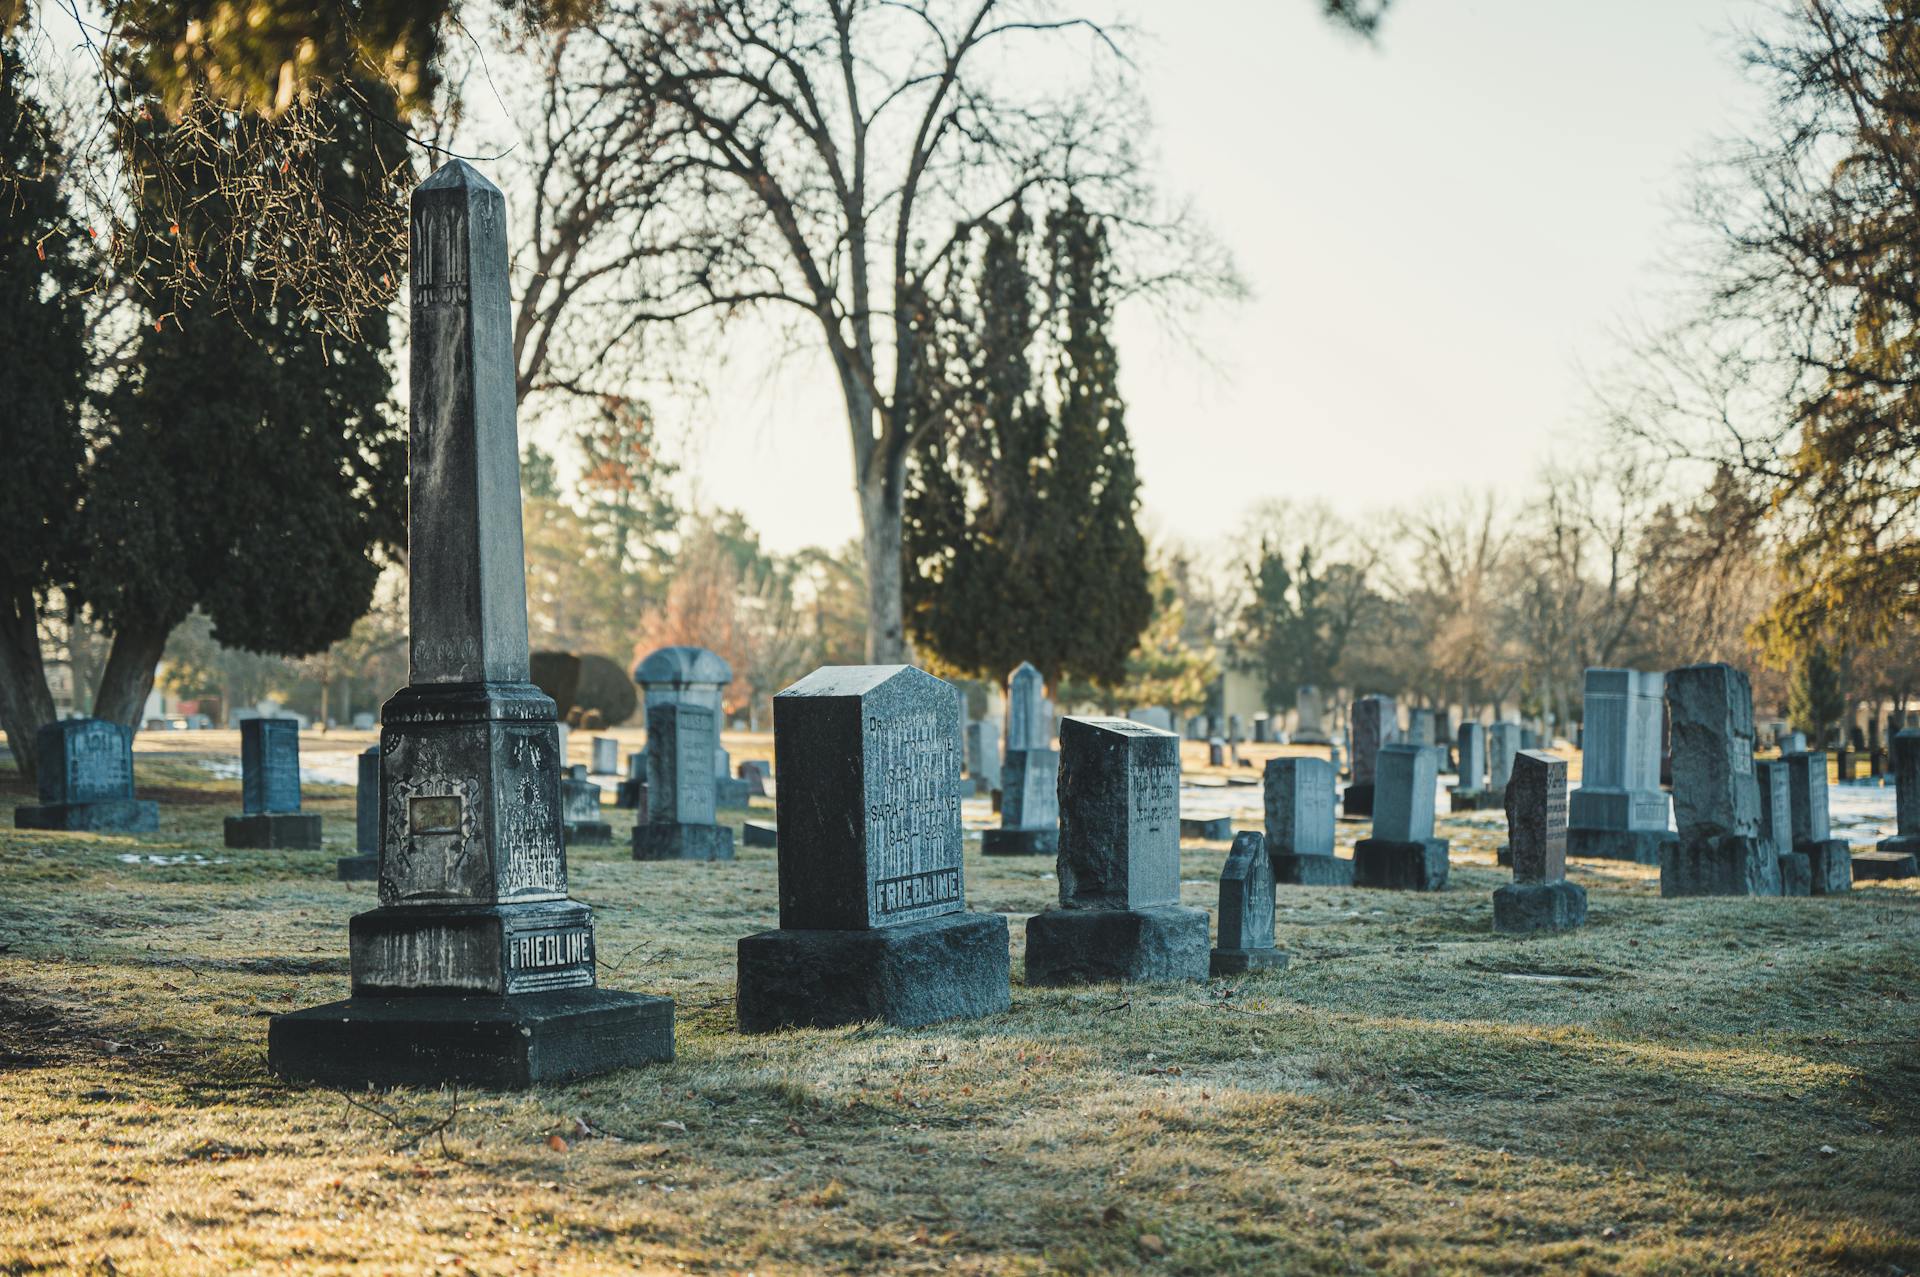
(580, 809)
(1776, 825)
(1374, 722)
(1899, 856)
(1539, 898)
(1829, 859)
(872, 899)
(1246, 911)
(476, 969)
(756, 772)
(364, 865)
(86, 780)
(630, 794)
(270, 814)
(1402, 854)
(680, 821)
(757, 833)
(1619, 812)
(1119, 916)
(1299, 809)
(1719, 849)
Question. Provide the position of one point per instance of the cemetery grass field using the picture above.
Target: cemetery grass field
(1699, 1086)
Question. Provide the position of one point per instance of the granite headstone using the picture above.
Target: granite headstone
(270, 815)
(1402, 853)
(1245, 942)
(1539, 898)
(86, 780)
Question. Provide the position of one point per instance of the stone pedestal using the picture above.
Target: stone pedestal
(1400, 866)
(1312, 871)
(293, 830)
(630, 794)
(1883, 864)
(914, 973)
(1099, 946)
(112, 815)
(1358, 799)
(1796, 876)
(1225, 962)
(1471, 800)
(1829, 864)
(483, 1041)
(1641, 846)
(588, 833)
(1019, 842)
(665, 840)
(1735, 865)
(1521, 907)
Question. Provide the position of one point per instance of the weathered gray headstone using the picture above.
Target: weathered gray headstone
(364, 866)
(270, 789)
(1029, 717)
(1299, 811)
(1029, 806)
(872, 898)
(477, 968)
(1718, 850)
(606, 756)
(1471, 793)
(1216, 752)
(1539, 898)
(680, 822)
(1420, 727)
(1503, 742)
(1309, 711)
(1120, 916)
(1829, 859)
(756, 772)
(1245, 942)
(1776, 825)
(580, 809)
(1402, 853)
(696, 676)
(1375, 723)
(1619, 811)
(86, 780)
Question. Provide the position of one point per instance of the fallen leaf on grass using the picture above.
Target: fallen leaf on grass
(671, 1125)
(1152, 1244)
(556, 1143)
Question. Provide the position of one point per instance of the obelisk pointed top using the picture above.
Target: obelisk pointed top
(457, 174)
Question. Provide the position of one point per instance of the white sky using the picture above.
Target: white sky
(1442, 233)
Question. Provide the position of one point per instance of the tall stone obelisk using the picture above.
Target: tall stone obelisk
(477, 967)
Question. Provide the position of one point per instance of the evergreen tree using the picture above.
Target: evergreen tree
(45, 264)
(1815, 699)
(1021, 541)
(250, 466)
(1293, 628)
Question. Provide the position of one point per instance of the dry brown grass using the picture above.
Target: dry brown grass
(1654, 1094)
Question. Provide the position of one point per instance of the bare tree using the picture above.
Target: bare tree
(829, 157)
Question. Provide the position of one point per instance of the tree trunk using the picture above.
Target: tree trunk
(26, 702)
(882, 509)
(128, 675)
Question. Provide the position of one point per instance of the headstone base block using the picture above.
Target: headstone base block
(1831, 863)
(1641, 846)
(1521, 907)
(1311, 871)
(1020, 842)
(1400, 866)
(946, 968)
(497, 1043)
(358, 868)
(1887, 862)
(1733, 866)
(1222, 962)
(1207, 828)
(1100, 946)
(666, 840)
(731, 795)
(628, 793)
(759, 834)
(589, 833)
(294, 830)
(1473, 800)
(114, 816)
(1358, 800)
(1796, 875)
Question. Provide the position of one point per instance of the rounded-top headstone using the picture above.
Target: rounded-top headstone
(683, 666)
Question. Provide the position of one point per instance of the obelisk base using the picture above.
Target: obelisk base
(1522, 907)
(293, 830)
(1100, 946)
(1401, 866)
(946, 968)
(498, 1043)
(667, 840)
(1730, 866)
(1020, 842)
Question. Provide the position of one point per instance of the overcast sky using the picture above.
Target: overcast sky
(1442, 231)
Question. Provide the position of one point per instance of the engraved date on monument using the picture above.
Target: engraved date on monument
(916, 891)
